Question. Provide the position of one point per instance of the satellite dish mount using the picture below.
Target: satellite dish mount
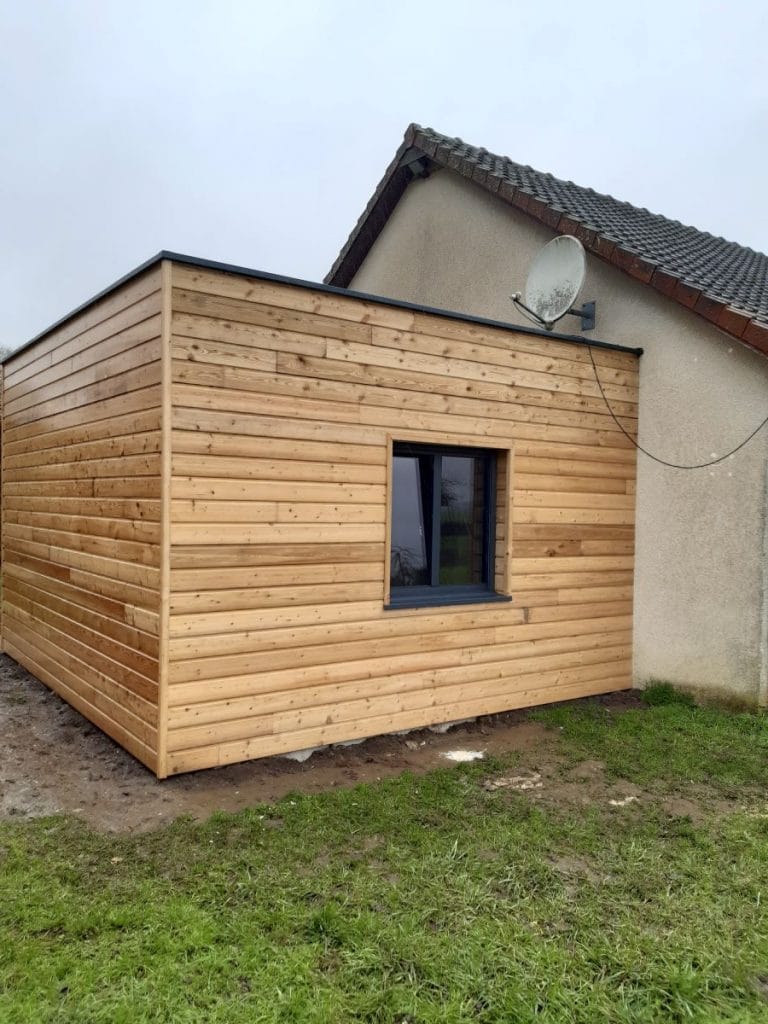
(554, 282)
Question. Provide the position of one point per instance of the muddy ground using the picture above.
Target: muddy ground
(54, 761)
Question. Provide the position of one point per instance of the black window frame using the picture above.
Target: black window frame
(436, 593)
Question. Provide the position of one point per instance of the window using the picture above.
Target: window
(442, 532)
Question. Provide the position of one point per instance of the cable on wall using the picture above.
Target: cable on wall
(655, 458)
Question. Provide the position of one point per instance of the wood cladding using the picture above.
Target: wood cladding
(196, 480)
(81, 512)
(285, 406)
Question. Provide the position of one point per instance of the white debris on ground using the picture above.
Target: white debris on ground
(301, 755)
(464, 755)
(518, 782)
(624, 801)
(443, 727)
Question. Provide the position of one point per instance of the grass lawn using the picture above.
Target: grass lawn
(419, 899)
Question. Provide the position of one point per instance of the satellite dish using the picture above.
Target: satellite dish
(554, 282)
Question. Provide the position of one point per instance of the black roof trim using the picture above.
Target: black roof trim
(329, 289)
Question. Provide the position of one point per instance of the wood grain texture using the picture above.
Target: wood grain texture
(285, 405)
(81, 512)
(196, 475)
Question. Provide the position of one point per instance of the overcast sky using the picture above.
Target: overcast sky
(254, 133)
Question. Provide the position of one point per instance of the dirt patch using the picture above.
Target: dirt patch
(54, 761)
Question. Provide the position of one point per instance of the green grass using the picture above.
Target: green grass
(675, 741)
(410, 901)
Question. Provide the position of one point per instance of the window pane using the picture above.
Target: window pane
(411, 501)
(462, 520)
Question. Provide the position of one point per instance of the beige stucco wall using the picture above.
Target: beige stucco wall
(700, 602)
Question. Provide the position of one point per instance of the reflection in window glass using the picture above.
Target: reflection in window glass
(409, 563)
(462, 499)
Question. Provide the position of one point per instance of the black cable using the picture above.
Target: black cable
(650, 455)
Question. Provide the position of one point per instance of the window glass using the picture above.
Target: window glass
(410, 566)
(462, 520)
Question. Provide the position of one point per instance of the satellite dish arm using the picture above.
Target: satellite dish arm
(586, 313)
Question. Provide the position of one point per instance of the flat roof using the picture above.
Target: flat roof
(261, 275)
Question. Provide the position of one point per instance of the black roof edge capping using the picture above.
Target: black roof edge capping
(261, 275)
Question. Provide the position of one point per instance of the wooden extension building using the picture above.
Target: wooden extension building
(245, 515)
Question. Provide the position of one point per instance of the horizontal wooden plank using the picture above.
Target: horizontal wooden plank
(594, 564)
(134, 692)
(83, 624)
(289, 470)
(42, 354)
(109, 715)
(76, 384)
(108, 508)
(228, 489)
(95, 346)
(599, 516)
(567, 499)
(538, 482)
(217, 754)
(117, 466)
(404, 623)
(87, 432)
(300, 300)
(243, 714)
(201, 442)
(466, 369)
(120, 550)
(276, 673)
(245, 555)
(222, 353)
(395, 386)
(214, 331)
(90, 602)
(271, 618)
(81, 417)
(554, 363)
(296, 396)
(522, 583)
(92, 526)
(201, 511)
(184, 602)
(243, 576)
(53, 409)
(134, 443)
(189, 414)
(505, 337)
(135, 600)
(115, 487)
(354, 715)
(267, 315)
(574, 612)
(277, 533)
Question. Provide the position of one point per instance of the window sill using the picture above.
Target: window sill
(438, 600)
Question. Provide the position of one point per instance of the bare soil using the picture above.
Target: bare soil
(54, 761)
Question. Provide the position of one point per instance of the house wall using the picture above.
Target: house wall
(700, 585)
(81, 512)
(285, 403)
